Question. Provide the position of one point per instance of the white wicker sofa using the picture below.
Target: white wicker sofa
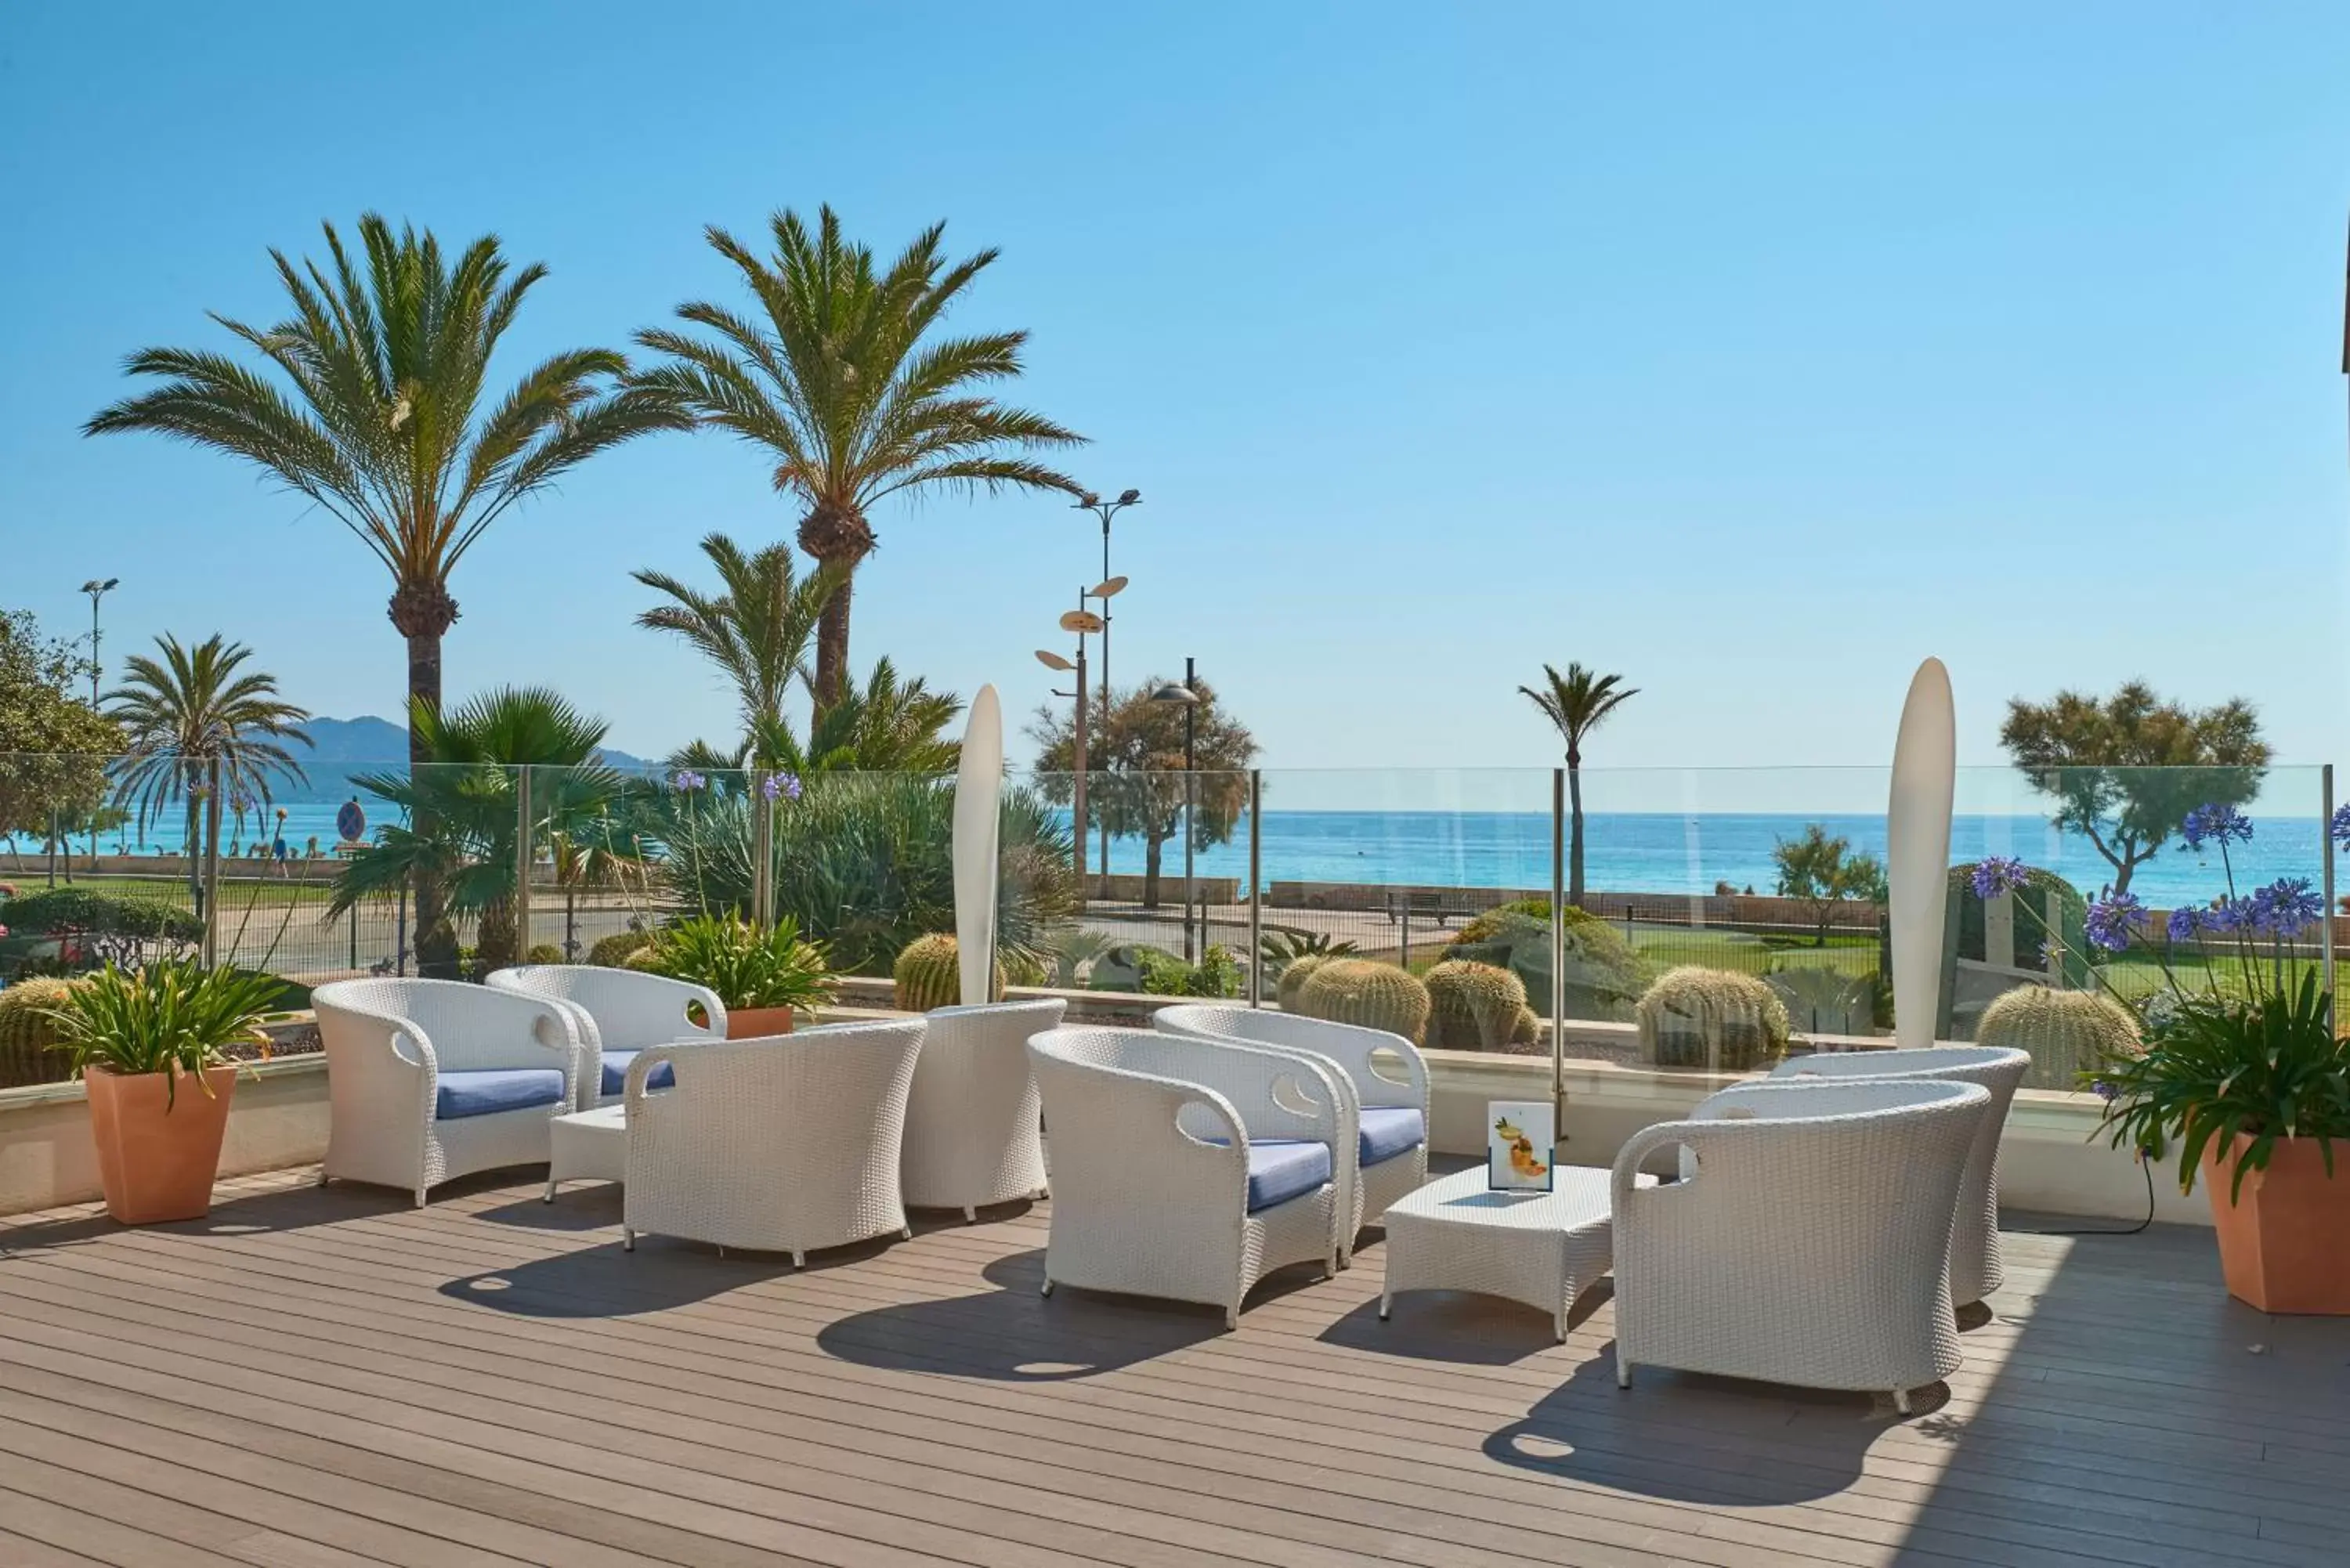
(1976, 1267)
(1811, 1245)
(431, 1079)
(783, 1145)
(1386, 1114)
(973, 1128)
(1158, 1189)
(617, 1013)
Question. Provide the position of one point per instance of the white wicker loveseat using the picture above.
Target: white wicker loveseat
(429, 1079)
(617, 1013)
(973, 1129)
(1159, 1187)
(1811, 1244)
(1386, 1115)
(1976, 1268)
(782, 1145)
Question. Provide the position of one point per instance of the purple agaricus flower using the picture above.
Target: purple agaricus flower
(1997, 874)
(2215, 824)
(2111, 921)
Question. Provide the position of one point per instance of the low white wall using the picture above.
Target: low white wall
(2051, 1159)
(277, 1119)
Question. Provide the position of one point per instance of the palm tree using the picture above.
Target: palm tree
(756, 630)
(464, 817)
(832, 379)
(187, 711)
(381, 421)
(1577, 703)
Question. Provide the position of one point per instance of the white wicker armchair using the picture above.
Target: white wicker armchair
(1386, 1114)
(617, 1013)
(973, 1129)
(785, 1144)
(1812, 1244)
(1976, 1267)
(1158, 1189)
(429, 1079)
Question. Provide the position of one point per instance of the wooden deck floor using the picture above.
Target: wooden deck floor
(330, 1376)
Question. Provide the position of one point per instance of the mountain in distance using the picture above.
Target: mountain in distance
(340, 747)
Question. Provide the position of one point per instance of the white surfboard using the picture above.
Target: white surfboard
(978, 816)
(1917, 862)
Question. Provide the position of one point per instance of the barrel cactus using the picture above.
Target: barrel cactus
(613, 951)
(1604, 975)
(928, 973)
(543, 952)
(1474, 1006)
(1359, 990)
(2065, 1032)
(1716, 1018)
(29, 1034)
(1294, 976)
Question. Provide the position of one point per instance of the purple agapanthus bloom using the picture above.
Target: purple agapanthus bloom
(2187, 922)
(2215, 824)
(2285, 907)
(2104, 1090)
(687, 781)
(1997, 874)
(240, 802)
(2111, 921)
(780, 787)
(2340, 827)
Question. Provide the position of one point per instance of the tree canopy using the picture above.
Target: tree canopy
(1133, 783)
(1822, 870)
(2125, 770)
(53, 744)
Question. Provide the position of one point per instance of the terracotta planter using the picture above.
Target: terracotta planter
(158, 1165)
(757, 1022)
(2284, 1243)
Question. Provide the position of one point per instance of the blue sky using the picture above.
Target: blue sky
(1755, 356)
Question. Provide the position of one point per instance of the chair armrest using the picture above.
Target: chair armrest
(1247, 1081)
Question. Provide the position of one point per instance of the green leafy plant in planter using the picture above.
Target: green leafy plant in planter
(1216, 975)
(134, 1035)
(2242, 1074)
(753, 972)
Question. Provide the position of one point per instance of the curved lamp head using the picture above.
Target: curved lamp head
(1107, 591)
(1053, 661)
(1176, 691)
(1129, 497)
(1080, 621)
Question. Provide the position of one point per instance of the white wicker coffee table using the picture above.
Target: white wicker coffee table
(1539, 1248)
(588, 1146)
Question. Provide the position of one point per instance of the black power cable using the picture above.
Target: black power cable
(2146, 1166)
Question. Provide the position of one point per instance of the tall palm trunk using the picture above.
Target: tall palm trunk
(1151, 871)
(423, 612)
(1575, 830)
(838, 537)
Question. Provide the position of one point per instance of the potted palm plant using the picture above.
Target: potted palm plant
(761, 976)
(149, 1045)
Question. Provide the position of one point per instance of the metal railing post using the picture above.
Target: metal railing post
(523, 856)
(1256, 889)
(1558, 952)
(2326, 837)
(763, 851)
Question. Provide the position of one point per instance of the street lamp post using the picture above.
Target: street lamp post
(1081, 621)
(97, 591)
(1106, 511)
(1187, 694)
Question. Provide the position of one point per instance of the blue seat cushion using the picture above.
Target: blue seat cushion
(1279, 1171)
(615, 1073)
(1387, 1131)
(485, 1093)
